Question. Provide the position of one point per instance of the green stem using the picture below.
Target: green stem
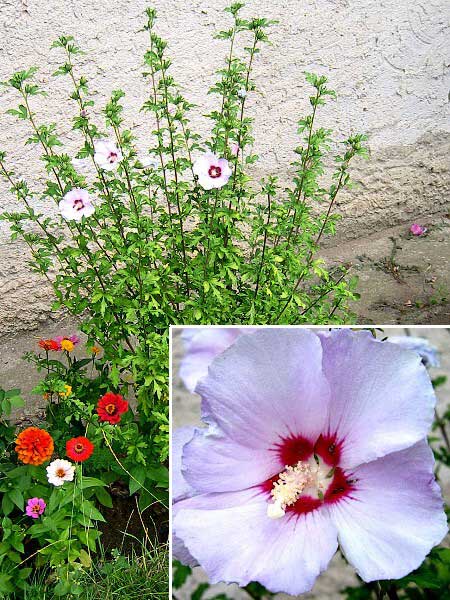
(264, 245)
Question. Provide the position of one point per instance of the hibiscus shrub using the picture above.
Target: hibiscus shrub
(180, 234)
(58, 477)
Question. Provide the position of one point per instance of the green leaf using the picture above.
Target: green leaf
(17, 402)
(89, 510)
(139, 475)
(103, 497)
(7, 504)
(5, 583)
(88, 482)
(85, 559)
(180, 574)
(17, 497)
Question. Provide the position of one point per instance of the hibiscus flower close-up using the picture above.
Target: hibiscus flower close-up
(313, 441)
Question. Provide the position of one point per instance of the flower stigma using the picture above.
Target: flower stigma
(311, 478)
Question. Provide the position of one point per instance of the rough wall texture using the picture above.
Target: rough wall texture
(385, 58)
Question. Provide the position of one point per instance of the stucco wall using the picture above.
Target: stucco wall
(385, 58)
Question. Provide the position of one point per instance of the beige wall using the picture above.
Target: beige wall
(385, 58)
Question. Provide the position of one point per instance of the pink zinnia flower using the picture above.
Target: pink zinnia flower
(107, 155)
(72, 338)
(312, 439)
(76, 204)
(212, 172)
(35, 507)
(417, 229)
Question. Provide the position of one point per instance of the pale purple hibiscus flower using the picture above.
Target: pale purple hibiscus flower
(202, 345)
(35, 507)
(427, 352)
(76, 204)
(107, 155)
(212, 171)
(234, 148)
(313, 439)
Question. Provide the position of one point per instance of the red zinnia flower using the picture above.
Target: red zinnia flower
(34, 446)
(79, 449)
(49, 345)
(110, 407)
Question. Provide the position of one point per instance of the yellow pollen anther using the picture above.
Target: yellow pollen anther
(287, 490)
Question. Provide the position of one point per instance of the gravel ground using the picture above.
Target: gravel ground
(186, 411)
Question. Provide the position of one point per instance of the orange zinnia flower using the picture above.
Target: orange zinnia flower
(34, 446)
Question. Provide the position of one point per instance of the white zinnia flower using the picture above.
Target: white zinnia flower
(212, 172)
(76, 204)
(59, 471)
(106, 154)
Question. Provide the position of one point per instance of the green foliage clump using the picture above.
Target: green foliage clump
(160, 249)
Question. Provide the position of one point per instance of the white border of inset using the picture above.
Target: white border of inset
(181, 327)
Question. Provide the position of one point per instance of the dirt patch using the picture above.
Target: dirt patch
(126, 528)
(402, 279)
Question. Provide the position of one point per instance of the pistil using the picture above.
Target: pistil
(289, 487)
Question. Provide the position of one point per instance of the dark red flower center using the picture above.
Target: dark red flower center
(112, 157)
(79, 447)
(110, 408)
(78, 204)
(214, 171)
(311, 476)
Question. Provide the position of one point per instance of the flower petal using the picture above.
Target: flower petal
(88, 210)
(395, 517)
(239, 543)
(180, 487)
(181, 553)
(225, 168)
(382, 399)
(427, 352)
(267, 386)
(202, 164)
(205, 181)
(203, 345)
(213, 462)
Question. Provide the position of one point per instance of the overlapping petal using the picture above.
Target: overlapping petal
(202, 346)
(395, 517)
(382, 399)
(213, 462)
(180, 487)
(238, 543)
(266, 386)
